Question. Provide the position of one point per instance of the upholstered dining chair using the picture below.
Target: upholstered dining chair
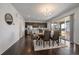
(55, 37)
(35, 37)
(46, 38)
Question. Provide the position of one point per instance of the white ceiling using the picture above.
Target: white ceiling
(32, 11)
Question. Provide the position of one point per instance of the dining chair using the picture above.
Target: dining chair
(35, 37)
(55, 37)
(46, 38)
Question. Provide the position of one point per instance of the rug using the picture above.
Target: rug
(38, 48)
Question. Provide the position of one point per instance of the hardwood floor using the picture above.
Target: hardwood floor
(25, 47)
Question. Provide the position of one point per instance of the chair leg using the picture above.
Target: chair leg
(49, 43)
(43, 44)
(40, 42)
(53, 42)
(57, 42)
(36, 42)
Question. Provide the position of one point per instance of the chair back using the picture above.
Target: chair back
(40, 31)
(56, 35)
(46, 35)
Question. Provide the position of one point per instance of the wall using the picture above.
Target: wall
(9, 34)
(75, 23)
(76, 26)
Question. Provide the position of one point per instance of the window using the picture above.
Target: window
(63, 26)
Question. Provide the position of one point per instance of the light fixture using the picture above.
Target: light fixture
(46, 9)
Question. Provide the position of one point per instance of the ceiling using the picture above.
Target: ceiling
(42, 11)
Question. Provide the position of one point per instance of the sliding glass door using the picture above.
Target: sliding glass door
(65, 28)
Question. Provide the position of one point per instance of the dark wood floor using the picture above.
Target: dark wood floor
(25, 47)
